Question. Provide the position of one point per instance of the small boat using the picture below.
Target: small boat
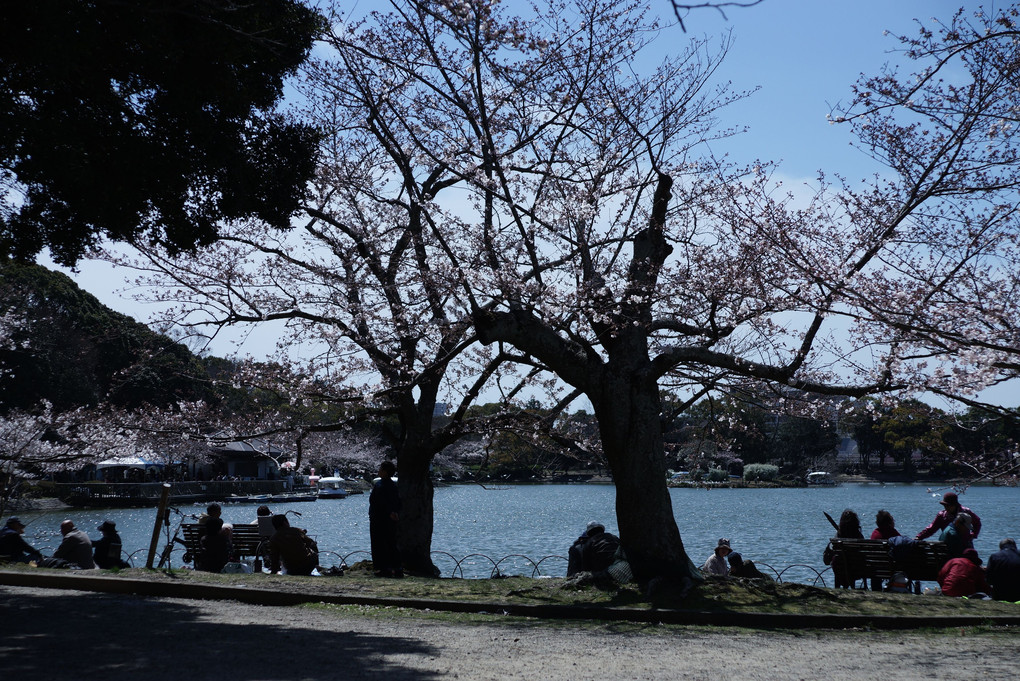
(820, 478)
(331, 488)
(284, 498)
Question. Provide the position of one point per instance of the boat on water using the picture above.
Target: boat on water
(270, 498)
(820, 478)
(331, 488)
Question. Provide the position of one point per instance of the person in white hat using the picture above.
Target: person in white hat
(716, 563)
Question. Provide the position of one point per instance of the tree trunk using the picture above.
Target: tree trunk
(629, 422)
(416, 493)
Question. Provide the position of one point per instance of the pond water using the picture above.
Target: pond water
(774, 527)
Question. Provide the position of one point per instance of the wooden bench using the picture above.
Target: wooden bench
(245, 540)
(856, 559)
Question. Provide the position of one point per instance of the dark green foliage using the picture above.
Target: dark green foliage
(147, 118)
(72, 351)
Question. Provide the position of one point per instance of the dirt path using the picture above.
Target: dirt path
(79, 635)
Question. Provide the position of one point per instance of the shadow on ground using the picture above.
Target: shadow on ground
(75, 635)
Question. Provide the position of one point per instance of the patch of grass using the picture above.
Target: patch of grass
(712, 595)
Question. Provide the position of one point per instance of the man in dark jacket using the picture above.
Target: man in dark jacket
(384, 508)
(214, 547)
(1003, 572)
(13, 547)
(593, 551)
(106, 550)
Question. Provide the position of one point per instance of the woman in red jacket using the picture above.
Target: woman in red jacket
(963, 576)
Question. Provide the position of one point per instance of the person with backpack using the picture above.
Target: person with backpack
(593, 551)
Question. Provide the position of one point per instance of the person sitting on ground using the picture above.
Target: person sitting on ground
(950, 508)
(1003, 572)
(13, 546)
(264, 519)
(885, 526)
(593, 551)
(107, 549)
(75, 548)
(957, 537)
(716, 563)
(291, 546)
(744, 568)
(963, 576)
(214, 547)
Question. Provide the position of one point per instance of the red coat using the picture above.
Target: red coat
(879, 533)
(961, 577)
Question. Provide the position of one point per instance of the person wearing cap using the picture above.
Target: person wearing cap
(13, 546)
(75, 548)
(107, 549)
(716, 563)
(950, 507)
(593, 551)
(963, 576)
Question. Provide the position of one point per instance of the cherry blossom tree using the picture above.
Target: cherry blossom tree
(533, 183)
(371, 328)
(942, 290)
(602, 240)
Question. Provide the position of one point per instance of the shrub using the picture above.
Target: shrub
(761, 471)
(717, 475)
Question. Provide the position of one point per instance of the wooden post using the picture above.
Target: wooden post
(164, 501)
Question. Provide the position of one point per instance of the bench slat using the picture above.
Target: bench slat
(870, 559)
(245, 539)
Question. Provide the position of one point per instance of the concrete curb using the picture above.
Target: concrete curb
(140, 587)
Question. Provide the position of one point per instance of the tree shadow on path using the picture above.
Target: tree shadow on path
(75, 635)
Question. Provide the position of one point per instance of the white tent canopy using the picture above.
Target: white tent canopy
(128, 462)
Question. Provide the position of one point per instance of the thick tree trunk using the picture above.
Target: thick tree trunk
(631, 430)
(416, 493)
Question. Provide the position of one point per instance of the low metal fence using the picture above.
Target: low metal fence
(483, 566)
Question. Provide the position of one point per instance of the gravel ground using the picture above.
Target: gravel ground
(81, 635)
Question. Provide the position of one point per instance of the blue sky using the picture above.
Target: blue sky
(804, 55)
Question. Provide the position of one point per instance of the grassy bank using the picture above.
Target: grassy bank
(713, 596)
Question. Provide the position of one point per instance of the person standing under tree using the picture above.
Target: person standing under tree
(383, 513)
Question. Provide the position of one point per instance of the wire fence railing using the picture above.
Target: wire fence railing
(482, 566)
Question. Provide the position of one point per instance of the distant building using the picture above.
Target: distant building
(252, 459)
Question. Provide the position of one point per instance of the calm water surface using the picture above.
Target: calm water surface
(774, 527)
